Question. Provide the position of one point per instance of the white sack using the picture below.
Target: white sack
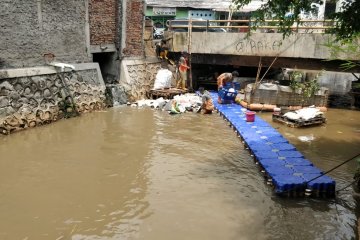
(163, 79)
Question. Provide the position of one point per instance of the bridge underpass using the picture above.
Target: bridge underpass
(205, 67)
(218, 52)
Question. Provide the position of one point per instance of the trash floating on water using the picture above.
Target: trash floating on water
(308, 138)
(179, 104)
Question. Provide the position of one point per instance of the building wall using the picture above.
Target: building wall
(202, 14)
(134, 26)
(160, 20)
(102, 20)
(31, 28)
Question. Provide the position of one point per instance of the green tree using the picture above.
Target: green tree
(347, 24)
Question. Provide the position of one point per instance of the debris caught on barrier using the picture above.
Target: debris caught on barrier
(188, 102)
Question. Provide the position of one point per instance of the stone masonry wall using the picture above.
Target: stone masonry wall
(30, 100)
(31, 28)
(102, 17)
(134, 29)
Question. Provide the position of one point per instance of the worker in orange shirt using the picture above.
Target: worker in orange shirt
(183, 68)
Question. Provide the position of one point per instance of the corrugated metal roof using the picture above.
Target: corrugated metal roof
(219, 5)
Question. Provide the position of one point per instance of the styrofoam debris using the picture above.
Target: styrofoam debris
(304, 113)
(306, 138)
(185, 102)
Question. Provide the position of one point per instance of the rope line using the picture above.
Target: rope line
(334, 168)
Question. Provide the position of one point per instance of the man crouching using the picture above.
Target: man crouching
(207, 106)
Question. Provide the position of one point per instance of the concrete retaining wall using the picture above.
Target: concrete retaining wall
(137, 78)
(34, 96)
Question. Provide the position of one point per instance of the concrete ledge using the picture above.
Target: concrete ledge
(103, 48)
(140, 61)
(46, 70)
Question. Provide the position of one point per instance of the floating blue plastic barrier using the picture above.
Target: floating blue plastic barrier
(285, 167)
(264, 154)
(290, 154)
(307, 169)
(274, 171)
(298, 162)
(277, 140)
(268, 162)
(324, 185)
(283, 146)
(260, 148)
(289, 184)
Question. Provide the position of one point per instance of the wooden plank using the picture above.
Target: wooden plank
(166, 93)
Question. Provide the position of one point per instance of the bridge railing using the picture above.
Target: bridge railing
(304, 26)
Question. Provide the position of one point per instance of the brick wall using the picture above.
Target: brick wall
(134, 29)
(102, 20)
(31, 28)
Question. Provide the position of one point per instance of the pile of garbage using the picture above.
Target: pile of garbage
(188, 102)
(304, 114)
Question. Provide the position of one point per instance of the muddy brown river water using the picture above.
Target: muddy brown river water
(144, 174)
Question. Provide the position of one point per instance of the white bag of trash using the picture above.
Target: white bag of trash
(163, 79)
(304, 114)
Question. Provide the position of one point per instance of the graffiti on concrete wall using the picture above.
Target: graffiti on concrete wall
(248, 45)
(36, 100)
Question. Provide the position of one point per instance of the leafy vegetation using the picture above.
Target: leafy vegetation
(345, 47)
(347, 25)
(306, 89)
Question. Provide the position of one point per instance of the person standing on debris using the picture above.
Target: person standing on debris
(183, 68)
(225, 78)
(207, 106)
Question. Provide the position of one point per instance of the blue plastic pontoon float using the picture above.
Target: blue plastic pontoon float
(285, 168)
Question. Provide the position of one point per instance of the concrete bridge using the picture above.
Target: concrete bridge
(300, 50)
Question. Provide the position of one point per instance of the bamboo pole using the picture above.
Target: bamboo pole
(256, 79)
(189, 52)
(269, 68)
